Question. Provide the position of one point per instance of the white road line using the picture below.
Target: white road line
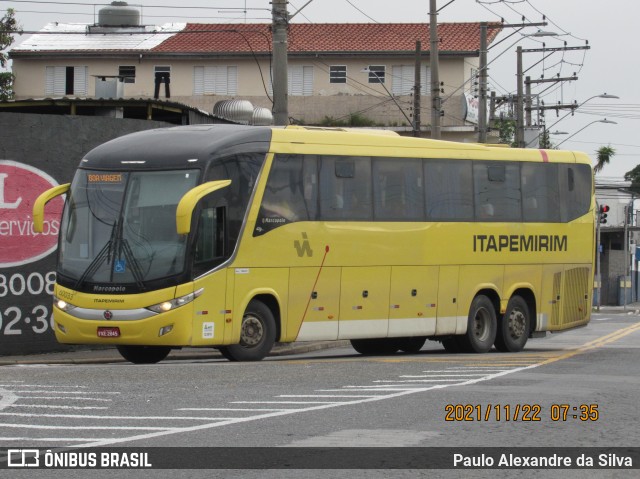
(19, 384)
(65, 397)
(65, 392)
(454, 375)
(284, 402)
(52, 439)
(321, 396)
(227, 409)
(49, 406)
(418, 380)
(139, 418)
(38, 426)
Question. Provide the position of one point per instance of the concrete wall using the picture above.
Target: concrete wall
(35, 149)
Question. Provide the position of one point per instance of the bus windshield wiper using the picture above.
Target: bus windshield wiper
(103, 254)
(114, 248)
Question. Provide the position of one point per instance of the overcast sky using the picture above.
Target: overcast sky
(608, 66)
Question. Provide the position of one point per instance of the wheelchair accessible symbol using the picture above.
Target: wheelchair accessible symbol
(120, 266)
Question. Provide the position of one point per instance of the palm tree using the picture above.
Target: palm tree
(604, 155)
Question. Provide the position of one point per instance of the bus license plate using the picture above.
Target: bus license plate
(109, 332)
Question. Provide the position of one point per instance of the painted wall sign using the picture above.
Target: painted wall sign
(20, 185)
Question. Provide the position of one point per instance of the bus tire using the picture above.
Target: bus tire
(257, 334)
(144, 354)
(375, 347)
(410, 345)
(482, 326)
(514, 326)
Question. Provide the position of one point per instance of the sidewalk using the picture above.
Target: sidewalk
(631, 308)
(86, 355)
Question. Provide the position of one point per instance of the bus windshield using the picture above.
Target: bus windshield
(120, 227)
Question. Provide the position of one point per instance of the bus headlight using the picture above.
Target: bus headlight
(174, 303)
(62, 305)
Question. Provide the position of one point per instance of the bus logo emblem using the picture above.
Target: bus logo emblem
(304, 248)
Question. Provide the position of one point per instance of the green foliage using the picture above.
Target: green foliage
(603, 156)
(506, 132)
(8, 25)
(545, 140)
(355, 119)
(634, 177)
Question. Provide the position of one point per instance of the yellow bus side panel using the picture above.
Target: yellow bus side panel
(313, 311)
(364, 302)
(448, 301)
(210, 310)
(413, 301)
(252, 282)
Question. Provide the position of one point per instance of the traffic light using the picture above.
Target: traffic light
(603, 213)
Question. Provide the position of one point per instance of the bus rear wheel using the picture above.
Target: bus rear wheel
(481, 326)
(257, 334)
(514, 326)
(144, 354)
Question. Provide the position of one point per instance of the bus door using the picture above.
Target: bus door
(364, 302)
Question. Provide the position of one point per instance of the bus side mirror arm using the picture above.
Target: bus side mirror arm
(189, 201)
(43, 199)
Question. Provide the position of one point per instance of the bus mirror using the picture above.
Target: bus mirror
(189, 201)
(43, 199)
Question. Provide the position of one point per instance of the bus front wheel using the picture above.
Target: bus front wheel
(481, 326)
(257, 334)
(144, 354)
(513, 327)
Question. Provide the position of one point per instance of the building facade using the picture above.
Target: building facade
(335, 71)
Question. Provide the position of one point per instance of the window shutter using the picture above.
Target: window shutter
(198, 80)
(80, 83)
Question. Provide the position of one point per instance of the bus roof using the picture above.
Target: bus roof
(191, 146)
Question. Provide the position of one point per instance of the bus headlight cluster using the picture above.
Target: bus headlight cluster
(62, 305)
(175, 303)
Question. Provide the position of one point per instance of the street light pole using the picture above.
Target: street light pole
(588, 124)
(603, 95)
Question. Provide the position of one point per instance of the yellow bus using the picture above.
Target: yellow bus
(237, 237)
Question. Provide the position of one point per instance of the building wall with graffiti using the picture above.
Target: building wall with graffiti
(36, 153)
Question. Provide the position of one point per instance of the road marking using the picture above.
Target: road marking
(38, 426)
(495, 363)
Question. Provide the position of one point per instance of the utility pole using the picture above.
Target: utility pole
(416, 90)
(482, 104)
(280, 24)
(435, 76)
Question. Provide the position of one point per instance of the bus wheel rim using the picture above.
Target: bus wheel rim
(252, 331)
(516, 325)
(481, 324)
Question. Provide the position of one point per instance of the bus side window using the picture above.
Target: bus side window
(210, 241)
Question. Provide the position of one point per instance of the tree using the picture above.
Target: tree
(634, 177)
(603, 155)
(8, 26)
(506, 131)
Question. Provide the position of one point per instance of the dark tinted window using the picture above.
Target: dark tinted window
(540, 195)
(345, 188)
(398, 189)
(291, 193)
(575, 190)
(449, 190)
(497, 191)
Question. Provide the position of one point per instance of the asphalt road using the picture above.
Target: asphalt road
(574, 389)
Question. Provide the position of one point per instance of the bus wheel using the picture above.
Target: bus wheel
(410, 345)
(513, 327)
(257, 334)
(373, 347)
(481, 326)
(144, 354)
